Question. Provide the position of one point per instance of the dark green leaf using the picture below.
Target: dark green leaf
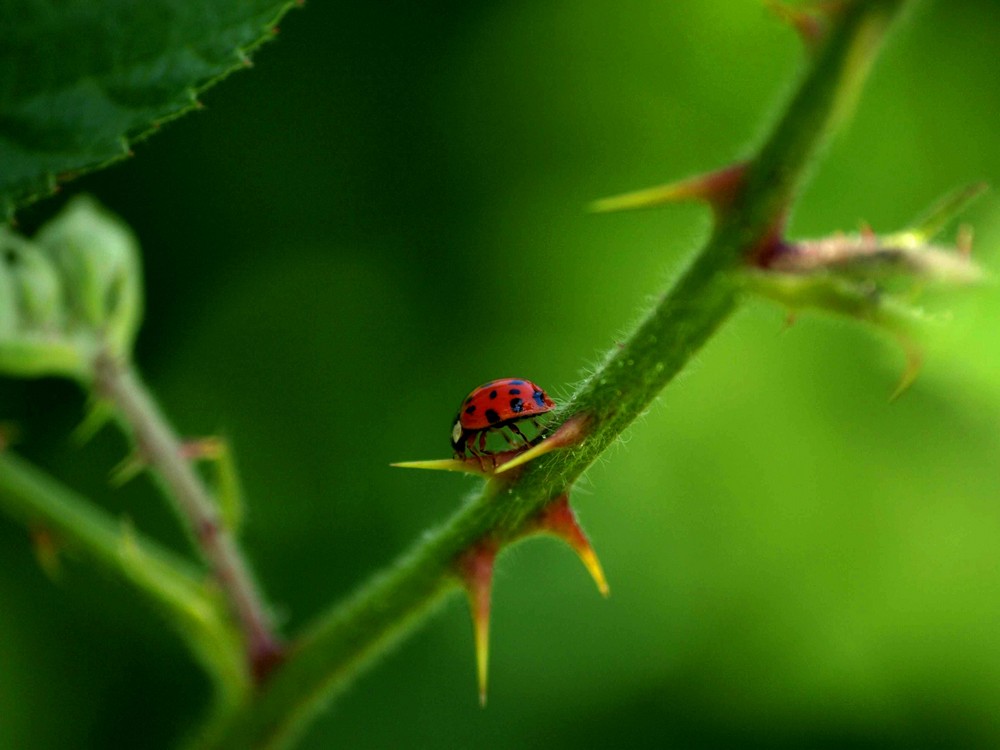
(80, 80)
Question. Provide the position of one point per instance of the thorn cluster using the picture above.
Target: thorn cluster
(475, 570)
(474, 567)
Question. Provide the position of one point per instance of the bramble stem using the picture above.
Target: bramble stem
(160, 448)
(339, 644)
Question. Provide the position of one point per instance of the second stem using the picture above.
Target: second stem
(160, 448)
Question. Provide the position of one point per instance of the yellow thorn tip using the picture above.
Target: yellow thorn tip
(476, 569)
(482, 656)
(646, 198)
(559, 520)
(546, 446)
(589, 559)
(441, 464)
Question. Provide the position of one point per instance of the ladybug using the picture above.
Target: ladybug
(497, 405)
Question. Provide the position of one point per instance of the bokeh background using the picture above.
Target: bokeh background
(388, 210)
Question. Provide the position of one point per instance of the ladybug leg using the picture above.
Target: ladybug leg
(516, 431)
(470, 444)
(539, 436)
(482, 451)
(508, 438)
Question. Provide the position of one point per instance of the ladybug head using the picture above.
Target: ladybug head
(457, 437)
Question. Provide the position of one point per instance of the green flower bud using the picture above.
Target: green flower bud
(97, 257)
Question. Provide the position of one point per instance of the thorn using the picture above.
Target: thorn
(9, 434)
(810, 23)
(127, 469)
(790, 319)
(203, 449)
(46, 552)
(963, 242)
(914, 362)
(99, 413)
(467, 465)
(559, 520)
(570, 432)
(476, 571)
(716, 188)
(937, 217)
(275, 31)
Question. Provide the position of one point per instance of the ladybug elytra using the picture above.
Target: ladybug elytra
(497, 406)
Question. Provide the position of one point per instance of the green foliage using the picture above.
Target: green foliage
(81, 80)
(349, 636)
(320, 356)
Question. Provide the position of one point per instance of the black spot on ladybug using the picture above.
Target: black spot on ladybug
(470, 410)
(517, 382)
(539, 397)
(516, 405)
(492, 417)
(493, 394)
(514, 392)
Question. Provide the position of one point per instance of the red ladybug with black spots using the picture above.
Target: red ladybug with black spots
(497, 406)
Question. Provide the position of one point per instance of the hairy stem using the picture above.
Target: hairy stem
(160, 448)
(339, 644)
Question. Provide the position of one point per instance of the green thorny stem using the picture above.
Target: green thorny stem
(158, 446)
(749, 217)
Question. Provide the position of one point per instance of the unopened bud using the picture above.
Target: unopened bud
(98, 261)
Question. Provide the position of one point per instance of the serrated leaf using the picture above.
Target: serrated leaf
(80, 80)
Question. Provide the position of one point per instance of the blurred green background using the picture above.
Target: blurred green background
(387, 211)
